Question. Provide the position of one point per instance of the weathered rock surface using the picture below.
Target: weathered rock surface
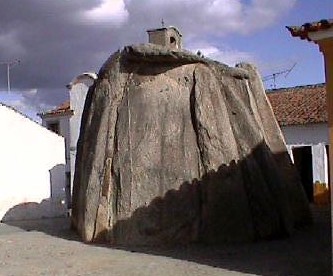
(175, 148)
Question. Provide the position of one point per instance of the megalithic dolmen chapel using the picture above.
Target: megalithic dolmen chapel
(175, 148)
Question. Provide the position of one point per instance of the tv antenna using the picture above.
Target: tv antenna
(276, 74)
(9, 65)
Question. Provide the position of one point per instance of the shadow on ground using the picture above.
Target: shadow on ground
(306, 253)
(57, 227)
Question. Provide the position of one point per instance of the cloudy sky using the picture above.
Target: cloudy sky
(57, 40)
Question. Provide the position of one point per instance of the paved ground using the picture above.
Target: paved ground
(47, 247)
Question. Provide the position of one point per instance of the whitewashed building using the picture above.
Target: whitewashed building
(66, 121)
(302, 115)
(78, 89)
(32, 164)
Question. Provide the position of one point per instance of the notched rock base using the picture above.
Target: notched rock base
(175, 148)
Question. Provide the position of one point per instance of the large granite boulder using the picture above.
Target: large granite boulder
(175, 148)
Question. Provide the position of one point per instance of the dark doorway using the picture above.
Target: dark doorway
(328, 164)
(173, 42)
(303, 163)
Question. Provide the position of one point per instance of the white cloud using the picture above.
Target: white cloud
(263, 13)
(30, 92)
(222, 54)
(209, 17)
(109, 11)
(25, 101)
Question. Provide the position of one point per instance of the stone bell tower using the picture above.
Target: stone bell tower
(166, 36)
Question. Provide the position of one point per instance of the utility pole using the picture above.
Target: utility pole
(9, 65)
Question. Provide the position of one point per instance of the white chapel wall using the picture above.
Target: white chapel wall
(77, 94)
(306, 135)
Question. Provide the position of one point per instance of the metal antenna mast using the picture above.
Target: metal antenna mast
(274, 75)
(9, 65)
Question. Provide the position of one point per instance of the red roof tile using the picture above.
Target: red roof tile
(63, 106)
(304, 30)
(299, 105)
(62, 109)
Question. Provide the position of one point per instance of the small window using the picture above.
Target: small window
(54, 127)
(172, 40)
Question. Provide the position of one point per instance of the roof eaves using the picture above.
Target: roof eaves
(303, 31)
(55, 113)
(18, 112)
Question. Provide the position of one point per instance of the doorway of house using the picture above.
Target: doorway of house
(303, 163)
(328, 164)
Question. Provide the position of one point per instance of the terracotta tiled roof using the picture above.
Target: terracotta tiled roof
(62, 109)
(304, 30)
(299, 105)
